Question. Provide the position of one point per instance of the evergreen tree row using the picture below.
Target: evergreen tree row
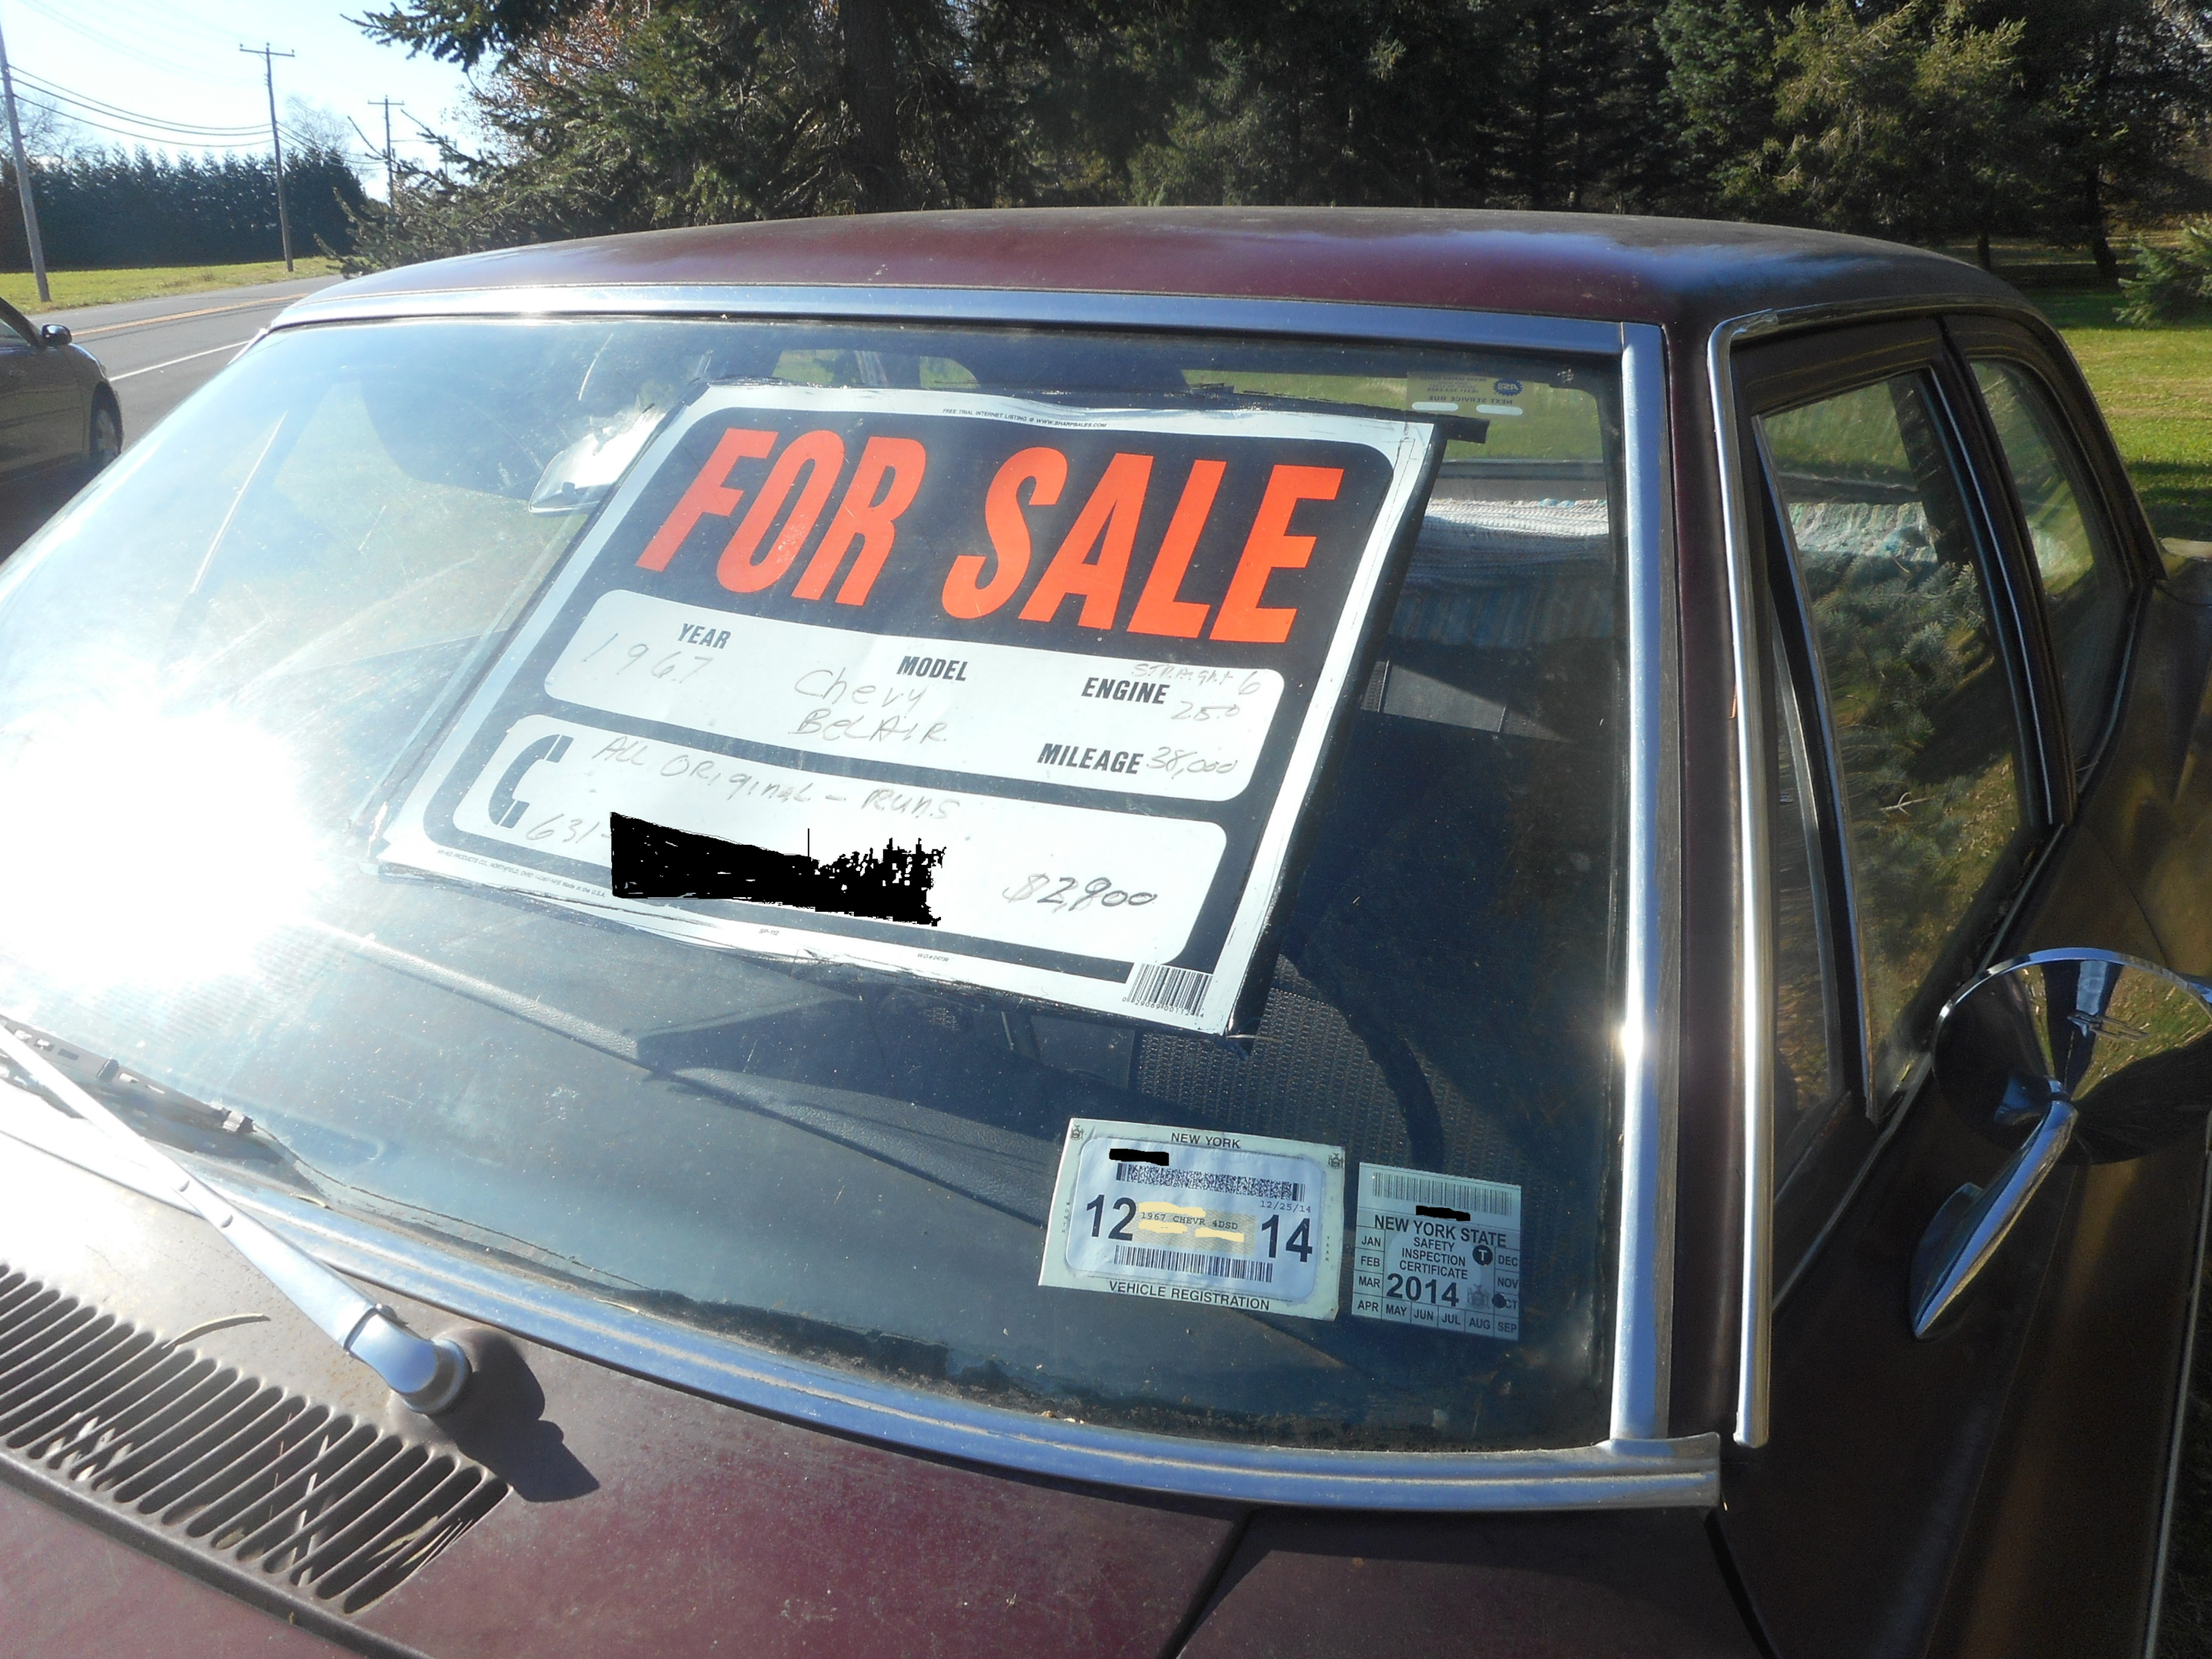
(104, 209)
(1926, 120)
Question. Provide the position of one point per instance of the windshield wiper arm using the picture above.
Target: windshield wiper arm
(427, 1374)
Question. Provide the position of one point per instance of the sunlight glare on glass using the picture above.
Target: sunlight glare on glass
(146, 848)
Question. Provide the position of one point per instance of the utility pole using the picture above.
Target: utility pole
(24, 179)
(390, 168)
(268, 55)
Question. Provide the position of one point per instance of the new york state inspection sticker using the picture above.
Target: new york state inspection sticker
(1430, 1249)
(1192, 1215)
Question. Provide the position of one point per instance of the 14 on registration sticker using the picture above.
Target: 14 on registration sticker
(1191, 1215)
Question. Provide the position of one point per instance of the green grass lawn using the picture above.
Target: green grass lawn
(72, 288)
(2155, 386)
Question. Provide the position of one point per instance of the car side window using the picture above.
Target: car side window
(1809, 1075)
(2085, 587)
(1913, 688)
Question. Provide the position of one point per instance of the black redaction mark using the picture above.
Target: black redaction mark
(653, 862)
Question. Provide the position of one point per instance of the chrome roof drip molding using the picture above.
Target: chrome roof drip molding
(1015, 307)
(1755, 946)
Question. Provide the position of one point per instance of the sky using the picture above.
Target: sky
(170, 63)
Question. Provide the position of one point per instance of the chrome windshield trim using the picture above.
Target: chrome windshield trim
(1642, 1332)
(1412, 325)
(1754, 949)
(1617, 1474)
(1635, 1467)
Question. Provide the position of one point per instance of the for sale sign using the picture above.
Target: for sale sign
(1067, 673)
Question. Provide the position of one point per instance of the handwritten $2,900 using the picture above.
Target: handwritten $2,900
(1038, 889)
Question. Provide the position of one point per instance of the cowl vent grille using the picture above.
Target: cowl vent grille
(332, 1504)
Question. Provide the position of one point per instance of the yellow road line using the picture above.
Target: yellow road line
(182, 316)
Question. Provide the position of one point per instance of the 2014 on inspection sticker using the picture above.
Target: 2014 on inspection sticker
(1190, 1215)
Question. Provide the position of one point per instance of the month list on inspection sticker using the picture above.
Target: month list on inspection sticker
(1430, 1250)
(1193, 1215)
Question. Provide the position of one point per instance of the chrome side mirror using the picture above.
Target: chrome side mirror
(2097, 1056)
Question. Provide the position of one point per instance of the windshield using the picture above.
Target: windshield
(1076, 870)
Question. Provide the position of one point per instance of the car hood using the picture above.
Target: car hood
(627, 1516)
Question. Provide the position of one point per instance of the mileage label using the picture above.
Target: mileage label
(1188, 1215)
(1431, 1251)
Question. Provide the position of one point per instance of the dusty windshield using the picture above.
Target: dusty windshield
(1077, 870)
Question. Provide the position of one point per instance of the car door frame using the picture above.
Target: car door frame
(2016, 613)
(1936, 1152)
(2077, 1425)
(1788, 373)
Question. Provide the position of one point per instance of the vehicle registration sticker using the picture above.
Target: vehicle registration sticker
(1190, 1215)
(1430, 1249)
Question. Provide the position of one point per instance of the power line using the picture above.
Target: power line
(94, 107)
(121, 48)
(71, 95)
(167, 18)
(167, 141)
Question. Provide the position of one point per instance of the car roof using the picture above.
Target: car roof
(1679, 272)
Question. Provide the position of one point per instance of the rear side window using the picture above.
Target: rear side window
(1914, 689)
(2085, 589)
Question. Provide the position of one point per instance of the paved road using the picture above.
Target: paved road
(158, 352)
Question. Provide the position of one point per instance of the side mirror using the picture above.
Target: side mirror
(53, 334)
(2098, 1057)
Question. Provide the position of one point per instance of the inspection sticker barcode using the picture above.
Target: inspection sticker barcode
(1437, 1250)
(1482, 1197)
(1194, 1215)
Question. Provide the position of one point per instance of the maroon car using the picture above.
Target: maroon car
(1107, 933)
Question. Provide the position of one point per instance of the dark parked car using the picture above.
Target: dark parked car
(59, 422)
(1120, 933)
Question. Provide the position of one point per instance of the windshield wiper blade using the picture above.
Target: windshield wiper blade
(427, 1374)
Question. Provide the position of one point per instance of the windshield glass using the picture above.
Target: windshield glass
(1076, 870)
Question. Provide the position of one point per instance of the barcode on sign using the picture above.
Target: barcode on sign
(1156, 985)
(1476, 1197)
(1191, 1261)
